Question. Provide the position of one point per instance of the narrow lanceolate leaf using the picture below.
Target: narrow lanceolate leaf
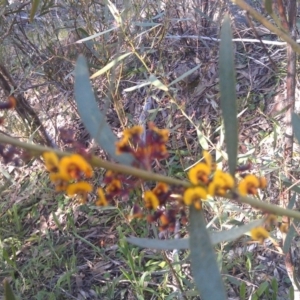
(95, 35)
(34, 7)
(228, 94)
(292, 231)
(93, 120)
(184, 75)
(268, 7)
(157, 83)
(215, 237)
(8, 293)
(114, 11)
(296, 126)
(111, 64)
(204, 265)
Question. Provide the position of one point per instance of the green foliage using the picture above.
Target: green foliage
(34, 7)
(92, 118)
(8, 293)
(55, 249)
(228, 94)
(203, 260)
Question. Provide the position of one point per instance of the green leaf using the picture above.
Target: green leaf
(274, 285)
(136, 87)
(288, 239)
(262, 288)
(34, 7)
(186, 74)
(296, 126)
(292, 231)
(95, 35)
(216, 238)
(268, 7)
(228, 94)
(243, 291)
(92, 118)
(157, 83)
(151, 80)
(114, 11)
(8, 293)
(110, 65)
(159, 244)
(291, 185)
(292, 202)
(204, 265)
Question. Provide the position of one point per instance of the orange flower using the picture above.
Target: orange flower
(262, 182)
(123, 146)
(114, 187)
(259, 234)
(60, 183)
(194, 195)
(158, 151)
(51, 161)
(284, 228)
(81, 188)
(102, 201)
(199, 174)
(74, 165)
(249, 185)
(161, 188)
(220, 184)
(134, 131)
(162, 135)
(151, 200)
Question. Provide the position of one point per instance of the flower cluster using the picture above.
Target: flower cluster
(250, 184)
(69, 174)
(144, 146)
(261, 233)
(163, 204)
(117, 185)
(207, 180)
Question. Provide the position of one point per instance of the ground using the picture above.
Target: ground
(52, 246)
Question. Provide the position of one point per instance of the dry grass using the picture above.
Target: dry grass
(52, 247)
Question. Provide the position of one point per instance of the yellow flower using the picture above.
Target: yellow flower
(114, 186)
(122, 146)
(60, 181)
(259, 234)
(72, 166)
(158, 150)
(51, 161)
(249, 185)
(284, 227)
(81, 188)
(194, 195)
(207, 158)
(163, 134)
(161, 188)
(220, 184)
(102, 201)
(151, 200)
(199, 174)
(262, 182)
(133, 131)
(271, 220)
(59, 176)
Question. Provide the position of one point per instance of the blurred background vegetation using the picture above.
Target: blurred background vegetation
(51, 246)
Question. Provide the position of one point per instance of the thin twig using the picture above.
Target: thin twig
(37, 150)
(243, 40)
